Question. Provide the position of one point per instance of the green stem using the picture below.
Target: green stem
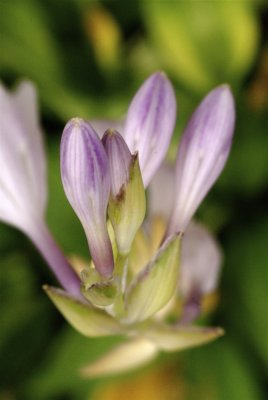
(120, 274)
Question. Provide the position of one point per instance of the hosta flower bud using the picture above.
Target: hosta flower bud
(86, 180)
(23, 186)
(127, 202)
(150, 122)
(202, 154)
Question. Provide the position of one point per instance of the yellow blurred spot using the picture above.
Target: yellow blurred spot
(258, 92)
(210, 302)
(104, 34)
(157, 384)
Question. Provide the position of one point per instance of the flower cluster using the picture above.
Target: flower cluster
(151, 269)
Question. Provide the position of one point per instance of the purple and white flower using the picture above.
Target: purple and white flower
(23, 186)
(104, 181)
(149, 123)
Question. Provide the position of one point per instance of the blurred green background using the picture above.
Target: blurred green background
(87, 58)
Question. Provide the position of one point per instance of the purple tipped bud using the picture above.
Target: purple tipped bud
(119, 158)
(127, 204)
(150, 122)
(202, 154)
(86, 181)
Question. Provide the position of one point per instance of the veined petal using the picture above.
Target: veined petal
(200, 261)
(202, 154)
(131, 354)
(22, 160)
(83, 317)
(150, 122)
(25, 99)
(119, 159)
(86, 181)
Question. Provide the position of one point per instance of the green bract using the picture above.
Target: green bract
(127, 210)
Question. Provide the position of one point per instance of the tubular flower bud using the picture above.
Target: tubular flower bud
(23, 186)
(202, 154)
(86, 181)
(150, 122)
(119, 159)
(127, 203)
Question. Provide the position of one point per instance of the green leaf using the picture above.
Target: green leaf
(194, 39)
(84, 318)
(56, 373)
(247, 255)
(153, 287)
(206, 367)
(174, 338)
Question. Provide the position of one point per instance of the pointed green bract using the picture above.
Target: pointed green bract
(127, 210)
(83, 317)
(155, 284)
(174, 338)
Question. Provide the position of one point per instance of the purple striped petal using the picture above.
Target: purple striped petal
(150, 122)
(86, 181)
(22, 159)
(119, 158)
(202, 154)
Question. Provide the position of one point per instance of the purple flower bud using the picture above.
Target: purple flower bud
(23, 186)
(127, 204)
(119, 158)
(202, 154)
(86, 181)
(150, 122)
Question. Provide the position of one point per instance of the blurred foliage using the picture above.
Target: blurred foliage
(87, 58)
(204, 43)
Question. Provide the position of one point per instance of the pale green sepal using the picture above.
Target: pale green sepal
(83, 317)
(101, 294)
(174, 338)
(153, 287)
(127, 210)
(122, 358)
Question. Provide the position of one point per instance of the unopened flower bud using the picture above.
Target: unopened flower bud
(150, 122)
(127, 202)
(86, 180)
(202, 154)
